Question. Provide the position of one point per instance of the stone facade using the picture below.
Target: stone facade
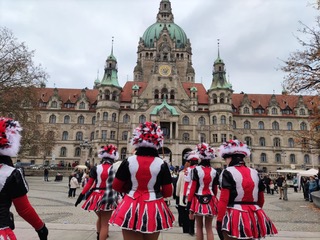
(164, 90)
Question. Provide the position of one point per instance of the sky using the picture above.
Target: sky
(73, 38)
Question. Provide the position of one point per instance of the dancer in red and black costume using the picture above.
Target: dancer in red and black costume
(146, 180)
(100, 197)
(202, 200)
(240, 214)
(13, 186)
(193, 158)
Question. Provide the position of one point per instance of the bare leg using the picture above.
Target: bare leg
(152, 236)
(199, 227)
(131, 235)
(104, 224)
(208, 226)
(98, 223)
(226, 237)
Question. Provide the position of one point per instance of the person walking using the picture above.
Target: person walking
(194, 160)
(240, 213)
(271, 187)
(100, 197)
(73, 185)
(191, 157)
(313, 186)
(295, 183)
(46, 175)
(145, 180)
(202, 201)
(285, 190)
(13, 185)
(279, 183)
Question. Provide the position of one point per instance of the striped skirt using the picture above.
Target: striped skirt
(145, 216)
(204, 209)
(247, 222)
(98, 201)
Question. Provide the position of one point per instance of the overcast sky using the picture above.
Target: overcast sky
(72, 38)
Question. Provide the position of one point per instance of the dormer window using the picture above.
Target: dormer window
(274, 111)
(246, 110)
(82, 105)
(54, 104)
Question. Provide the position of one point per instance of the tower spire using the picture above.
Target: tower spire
(218, 47)
(112, 45)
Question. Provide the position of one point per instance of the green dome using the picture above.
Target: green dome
(175, 32)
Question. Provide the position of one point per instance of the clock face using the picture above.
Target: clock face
(165, 70)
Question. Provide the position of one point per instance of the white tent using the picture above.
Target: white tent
(289, 171)
(310, 172)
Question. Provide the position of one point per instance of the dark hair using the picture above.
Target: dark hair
(237, 159)
(6, 160)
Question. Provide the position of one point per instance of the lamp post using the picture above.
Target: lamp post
(284, 154)
(85, 145)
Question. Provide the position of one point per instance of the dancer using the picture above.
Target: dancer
(191, 159)
(13, 185)
(146, 180)
(100, 197)
(240, 214)
(202, 200)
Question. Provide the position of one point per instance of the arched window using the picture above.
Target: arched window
(91, 136)
(114, 96)
(54, 104)
(142, 119)
(263, 158)
(291, 142)
(275, 125)
(156, 94)
(306, 159)
(289, 125)
(262, 142)
(98, 116)
(292, 159)
(164, 93)
(215, 98)
(274, 111)
(93, 121)
(202, 121)
(63, 152)
(303, 126)
(203, 138)
(172, 94)
(107, 95)
(246, 110)
(234, 124)
(105, 116)
(248, 140)
(261, 125)
(214, 120)
(81, 119)
(123, 153)
(185, 120)
(65, 136)
(66, 119)
(82, 105)
(125, 135)
(223, 120)
(77, 152)
(247, 125)
(114, 117)
(222, 98)
(185, 137)
(52, 119)
(302, 111)
(276, 142)
(126, 118)
(278, 158)
(79, 136)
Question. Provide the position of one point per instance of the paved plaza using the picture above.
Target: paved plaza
(295, 218)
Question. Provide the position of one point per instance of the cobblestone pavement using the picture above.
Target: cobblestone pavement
(294, 219)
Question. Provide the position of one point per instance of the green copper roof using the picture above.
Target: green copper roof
(112, 57)
(218, 60)
(193, 89)
(97, 81)
(135, 87)
(175, 32)
(110, 79)
(164, 104)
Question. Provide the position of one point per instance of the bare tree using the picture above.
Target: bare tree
(19, 78)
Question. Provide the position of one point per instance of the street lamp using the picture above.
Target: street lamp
(85, 145)
(284, 154)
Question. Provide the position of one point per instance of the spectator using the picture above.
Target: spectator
(46, 175)
(271, 187)
(313, 186)
(73, 185)
(279, 182)
(285, 190)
